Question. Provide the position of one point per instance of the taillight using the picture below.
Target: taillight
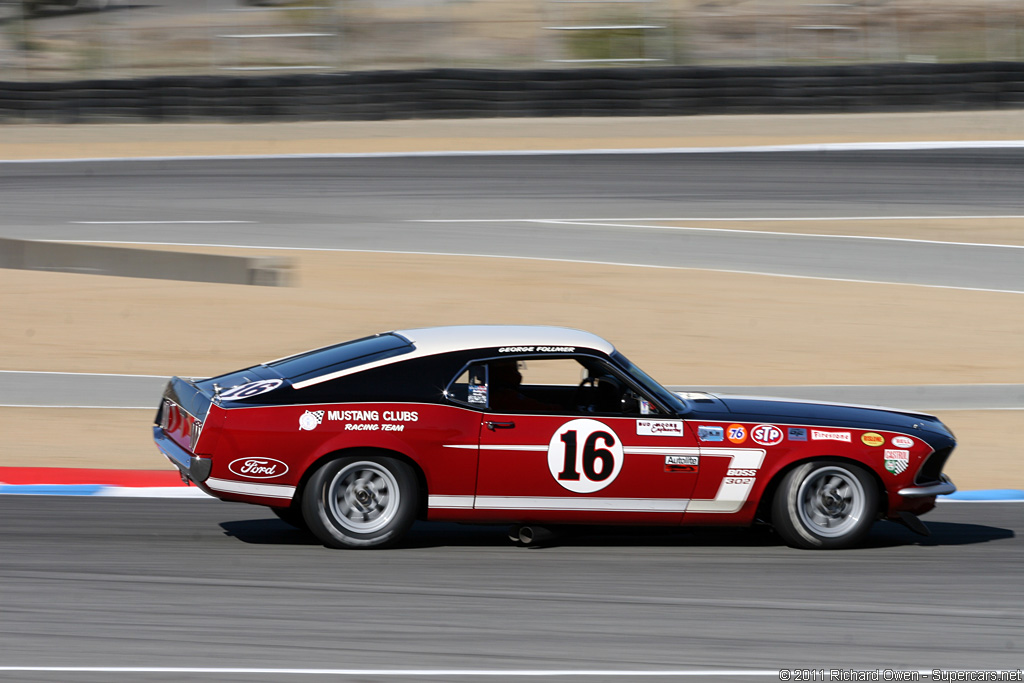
(193, 434)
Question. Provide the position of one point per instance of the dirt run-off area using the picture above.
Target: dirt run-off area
(745, 329)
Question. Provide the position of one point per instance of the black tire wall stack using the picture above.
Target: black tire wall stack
(467, 93)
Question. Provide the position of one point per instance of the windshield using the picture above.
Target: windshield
(670, 400)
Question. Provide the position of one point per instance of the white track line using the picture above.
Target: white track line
(154, 222)
(85, 374)
(810, 147)
(518, 673)
(601, 223)
(546, 259)
(754, 219)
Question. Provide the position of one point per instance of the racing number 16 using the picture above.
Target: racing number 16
(584, 455)
(592, 455)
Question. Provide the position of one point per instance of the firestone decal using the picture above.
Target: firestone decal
(310, 420)
(766, 435)
(659, 428)
(818, 435)
(585, 456)
(873, 439)
(902, 442)
(258, 468)
(251, 389)
(896, 461)
(736, 433)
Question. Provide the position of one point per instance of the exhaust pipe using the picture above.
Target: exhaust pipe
(535, 535)
(513, 533)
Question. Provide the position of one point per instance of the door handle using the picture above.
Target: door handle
(500, 425)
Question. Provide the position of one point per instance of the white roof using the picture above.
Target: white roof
(430, 341)
(433, 340)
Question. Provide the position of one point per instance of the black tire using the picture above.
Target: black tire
(367, 501)
(291, 515)
(825, 504)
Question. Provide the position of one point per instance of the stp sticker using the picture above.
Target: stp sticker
(872, 439)
(902, 442)
(584, 456)
(736, 433)
(710, 433)
(310, 420)
(251, 389)
(766, 435)
(659, 428)
(258, 468)
(896, 461)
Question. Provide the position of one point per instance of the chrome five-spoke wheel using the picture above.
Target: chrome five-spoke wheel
(361, 502)
(825, 504)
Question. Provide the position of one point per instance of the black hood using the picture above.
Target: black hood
(789, 411)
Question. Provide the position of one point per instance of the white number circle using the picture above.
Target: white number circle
(251, 389)
(584, 456)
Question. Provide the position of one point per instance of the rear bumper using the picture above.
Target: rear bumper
(192, 467)
(944, 488)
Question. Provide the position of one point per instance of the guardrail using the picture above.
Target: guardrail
(458, 93)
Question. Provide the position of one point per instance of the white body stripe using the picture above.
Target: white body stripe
(662, 450)
(582, 503)
(734, 491)
(458, 502)
(250, 489)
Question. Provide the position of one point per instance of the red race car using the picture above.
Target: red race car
(536, 426)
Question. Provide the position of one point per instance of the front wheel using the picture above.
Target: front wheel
(825, 505)
(361, 502)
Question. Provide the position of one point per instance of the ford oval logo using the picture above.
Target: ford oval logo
(258, 468)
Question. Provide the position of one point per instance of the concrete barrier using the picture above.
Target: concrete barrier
(145, 263)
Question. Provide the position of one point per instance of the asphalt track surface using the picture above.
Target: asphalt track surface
(155, 583)
(88, 582)
(381, 203)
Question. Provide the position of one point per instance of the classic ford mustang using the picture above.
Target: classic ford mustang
(533, 426)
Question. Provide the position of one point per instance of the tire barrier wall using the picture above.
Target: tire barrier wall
(464, 93)
(146, 263)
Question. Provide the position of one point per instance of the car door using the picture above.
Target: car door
(558, 449)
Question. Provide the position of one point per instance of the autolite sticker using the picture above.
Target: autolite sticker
(258, 468)
(902, 442)
(681, 463)
(818, 435)
(896, 461)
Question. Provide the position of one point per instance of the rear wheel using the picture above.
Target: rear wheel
(361, 502)
(824, 505)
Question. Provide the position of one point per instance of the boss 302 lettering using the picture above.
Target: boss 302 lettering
(536, 425)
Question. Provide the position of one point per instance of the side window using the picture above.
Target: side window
(470, 387)
(566, 386)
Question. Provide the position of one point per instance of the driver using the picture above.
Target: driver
(505, 392)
